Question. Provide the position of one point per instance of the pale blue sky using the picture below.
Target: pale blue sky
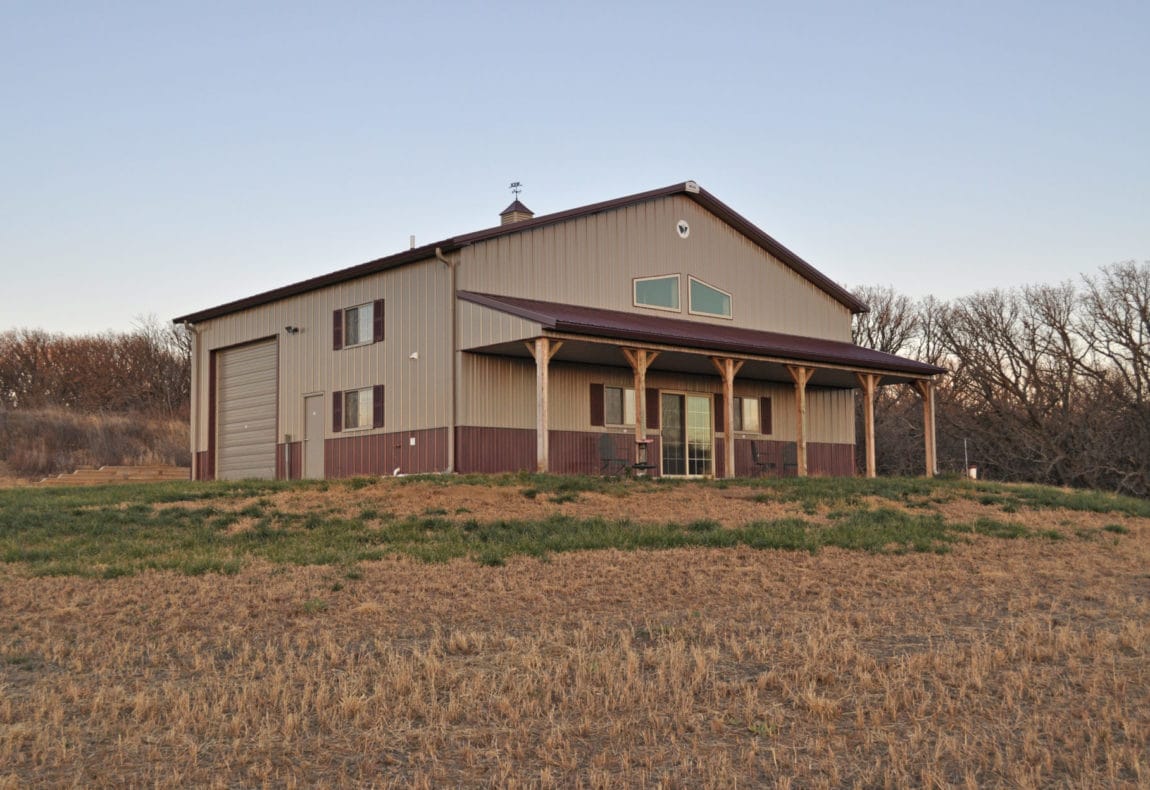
(163, 157)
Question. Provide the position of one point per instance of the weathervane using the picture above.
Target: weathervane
(516, 188)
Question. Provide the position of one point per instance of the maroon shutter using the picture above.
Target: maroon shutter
(765, 415)
(719, 412)
(337, 330)
(377, 406)
(377, 321)
(337, 411)
(652, 408)
(598, 411)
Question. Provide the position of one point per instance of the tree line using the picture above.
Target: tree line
(108, 399)
(1047, 383)
(146, 370)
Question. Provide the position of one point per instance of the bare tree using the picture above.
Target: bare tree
(892, 323)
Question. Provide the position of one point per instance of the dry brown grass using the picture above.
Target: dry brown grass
(1005, 663)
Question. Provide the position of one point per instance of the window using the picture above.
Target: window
(708, 300)
(662, 293)
(357, 326)
(619, 405)
(358, 409)
(745, 415)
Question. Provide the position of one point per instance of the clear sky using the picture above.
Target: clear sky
(163, 157)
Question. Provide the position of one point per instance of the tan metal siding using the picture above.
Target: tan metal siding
(497, 392)
(416, 303)
(592, 260)
(500, 393)
(247, 422)
(481, 326)
(831, 416)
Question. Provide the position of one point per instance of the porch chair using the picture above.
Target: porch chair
(791, 457)
(609, 456)
(760, 460)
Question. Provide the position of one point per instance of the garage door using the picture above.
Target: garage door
(247, 412)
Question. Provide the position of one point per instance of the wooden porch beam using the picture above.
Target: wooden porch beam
(925, 388)
(640, 359)
(801, 375)
(542, 349)
(868, 382)
(727, 369)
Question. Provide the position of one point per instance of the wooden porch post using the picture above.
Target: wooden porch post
(868, 382)
(640, 359)
(542, 349)
(925, 388)
(801, 376)
(727, 369)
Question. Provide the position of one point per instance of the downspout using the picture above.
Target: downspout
(193, 394)
(933, 427)
(454, 345)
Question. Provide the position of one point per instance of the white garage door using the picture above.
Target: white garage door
(247, 412)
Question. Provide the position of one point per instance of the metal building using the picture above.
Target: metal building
(665, 320)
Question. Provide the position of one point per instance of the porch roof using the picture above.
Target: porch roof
(698, 336)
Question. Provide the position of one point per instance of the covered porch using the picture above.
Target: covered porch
(550, 334)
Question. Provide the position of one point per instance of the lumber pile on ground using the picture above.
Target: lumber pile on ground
(91, 476)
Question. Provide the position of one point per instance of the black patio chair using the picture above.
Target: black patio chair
(760, 460)
(609, 456)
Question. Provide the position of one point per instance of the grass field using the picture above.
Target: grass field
(550, 631)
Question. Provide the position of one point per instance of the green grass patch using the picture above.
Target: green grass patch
(201, 528)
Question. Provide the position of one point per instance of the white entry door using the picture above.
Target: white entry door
(313, 427)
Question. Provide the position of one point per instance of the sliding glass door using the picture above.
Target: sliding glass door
(687, 439)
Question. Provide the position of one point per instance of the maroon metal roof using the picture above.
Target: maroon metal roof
(578, 320)
(688, 189)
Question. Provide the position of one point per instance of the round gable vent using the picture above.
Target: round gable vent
(683, 229)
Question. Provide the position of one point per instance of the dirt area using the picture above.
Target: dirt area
(1005, 663)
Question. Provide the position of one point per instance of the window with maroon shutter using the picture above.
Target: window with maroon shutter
(597, 409)
(719, 412)
(765, 415)
(745, 413)
(337, 411)
(361, 408)
(359, 325)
